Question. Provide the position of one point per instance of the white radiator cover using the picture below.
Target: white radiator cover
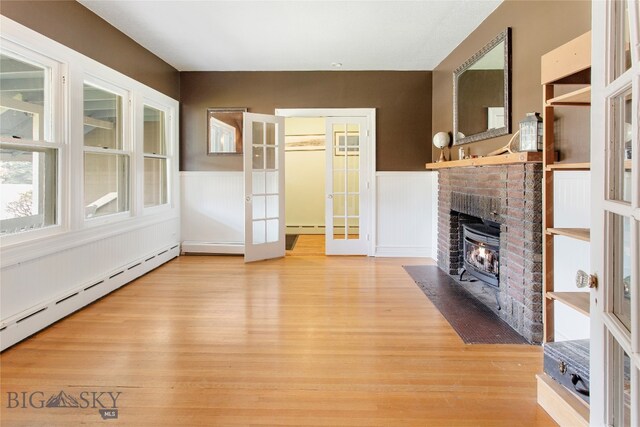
(36, 285)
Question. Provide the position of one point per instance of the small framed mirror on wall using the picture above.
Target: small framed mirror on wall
(224, 130)
(482, 93)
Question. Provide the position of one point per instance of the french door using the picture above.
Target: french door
(615, 228)
(347, 186)
(263, 146)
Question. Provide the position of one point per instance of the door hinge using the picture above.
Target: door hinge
(368, 133)
(367, 237)
(368, 185)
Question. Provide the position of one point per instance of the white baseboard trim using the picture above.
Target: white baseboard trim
(233, 248)
(404, 252)
(305, 229)
(22, 325)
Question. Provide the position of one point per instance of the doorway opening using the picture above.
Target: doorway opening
(329, 180)
(305, 185)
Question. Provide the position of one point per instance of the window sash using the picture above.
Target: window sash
(43, 190)
(104, 116)
(156, 181)
(107, 185)
(45, 112)
(156, 158)
(157, 145)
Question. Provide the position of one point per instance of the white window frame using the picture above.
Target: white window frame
(126, 149)
(169, 155)
(54, 135)
(72, 69)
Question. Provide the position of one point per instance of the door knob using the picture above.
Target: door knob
(584, 280)
(247, 199)
(330, 196)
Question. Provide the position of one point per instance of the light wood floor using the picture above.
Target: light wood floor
(308, 340)
(308, 245)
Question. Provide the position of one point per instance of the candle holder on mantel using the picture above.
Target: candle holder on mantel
(441, 140)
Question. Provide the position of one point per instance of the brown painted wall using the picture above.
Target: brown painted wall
(537, 27)
(70, 23)
(402, 101)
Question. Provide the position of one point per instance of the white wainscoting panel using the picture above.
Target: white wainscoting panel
(406, 214)
(572, 201)
(40, 291)
(212, 209)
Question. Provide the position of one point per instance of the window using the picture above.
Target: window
(106, 163)
(82, 146)
(155, 157)
(28, 152)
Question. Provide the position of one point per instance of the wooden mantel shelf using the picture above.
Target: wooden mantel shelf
(505, 159)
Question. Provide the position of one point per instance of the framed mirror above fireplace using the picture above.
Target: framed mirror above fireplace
(482, 93)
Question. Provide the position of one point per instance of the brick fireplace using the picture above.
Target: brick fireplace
(510, 195)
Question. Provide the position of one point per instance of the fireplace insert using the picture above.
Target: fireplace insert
(481, 252)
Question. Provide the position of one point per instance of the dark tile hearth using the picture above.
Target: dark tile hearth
(474, 322)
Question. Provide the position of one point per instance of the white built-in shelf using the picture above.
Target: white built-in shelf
(580, 97)
(579, 301)
(561, 69)
(583, 234)
(569, 166)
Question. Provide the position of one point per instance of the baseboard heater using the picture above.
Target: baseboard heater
(228, 248)
(27, 323)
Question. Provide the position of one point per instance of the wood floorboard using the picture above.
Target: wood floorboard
(308, 245)
(302, 340)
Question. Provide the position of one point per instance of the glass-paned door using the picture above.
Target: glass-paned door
(346, 215)
(263, 146)
(615, 233)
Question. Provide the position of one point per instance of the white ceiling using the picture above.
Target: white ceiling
(296, 35)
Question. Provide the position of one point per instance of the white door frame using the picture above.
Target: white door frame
(369, 169)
